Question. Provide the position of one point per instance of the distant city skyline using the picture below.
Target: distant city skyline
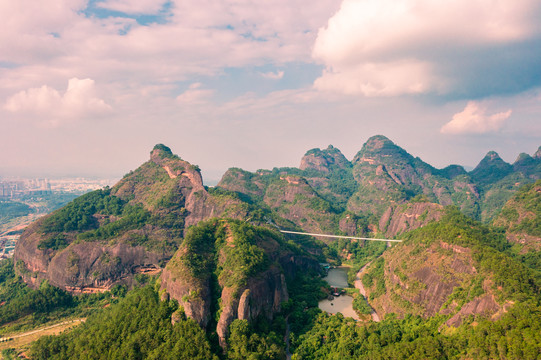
(88, 87)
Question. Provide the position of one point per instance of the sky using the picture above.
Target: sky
(88, 87)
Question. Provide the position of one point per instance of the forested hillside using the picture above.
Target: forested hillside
(161, 266)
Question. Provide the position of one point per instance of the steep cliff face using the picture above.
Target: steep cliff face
(108, 236)
(399, 219)
(450, 267)
(227, 270)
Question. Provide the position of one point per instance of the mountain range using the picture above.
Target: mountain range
(471, 239)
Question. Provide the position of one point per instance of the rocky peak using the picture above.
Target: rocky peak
(324, 160)
(380, 149)
(522, 158)
(537, 154)
(529, 166)
(162, 151)
(174, 166)
(378, 142)
(492, 168)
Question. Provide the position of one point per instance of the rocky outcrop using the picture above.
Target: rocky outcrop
(324, 160)
(399, 219)
(262, 296)
(427, 276)
(233, 265)
(168, 195)
(484, 305)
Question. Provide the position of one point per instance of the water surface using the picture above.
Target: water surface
(343, 304)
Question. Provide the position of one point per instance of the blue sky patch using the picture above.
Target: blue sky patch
(94, 10)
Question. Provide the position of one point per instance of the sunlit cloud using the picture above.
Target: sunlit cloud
(388, 47)
(379, 79)
(49, 105)
(195, 95)
(474, 119)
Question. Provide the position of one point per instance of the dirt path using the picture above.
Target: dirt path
(359, 285)
(32, 332)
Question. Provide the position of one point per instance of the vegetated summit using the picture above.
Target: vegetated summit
(221, 257)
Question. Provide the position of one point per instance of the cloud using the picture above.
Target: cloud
(273, 75)
(379, 79)
(201, 37)
(195, 95)
(389, 47)
(475, 120)
(78, 101)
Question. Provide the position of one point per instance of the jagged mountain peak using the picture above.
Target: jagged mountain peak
(162, 148)
(491, 159)
(324, 160)
(523, 157)
(493, 156)
(378, 142)
(492, 168)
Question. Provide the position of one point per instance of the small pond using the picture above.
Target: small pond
(338, 277)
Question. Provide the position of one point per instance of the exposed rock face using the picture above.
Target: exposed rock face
(485, 305)
(261, 297)
(193, 294)
(422, 283)
(248, 286)
(324, 160)
(167, 190)
(399, 219)
(84, 266)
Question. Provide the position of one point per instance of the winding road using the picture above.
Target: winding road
(359, 285)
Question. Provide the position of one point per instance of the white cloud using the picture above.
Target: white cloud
(195, 95)
(379, 79)
(199, 38)
(424, 43)
(51, 107)
(475, 120)
(273, 75)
